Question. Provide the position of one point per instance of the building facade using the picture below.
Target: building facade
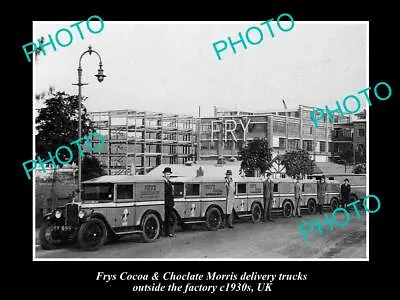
(350, 138)
(228, 132)
(136, 142)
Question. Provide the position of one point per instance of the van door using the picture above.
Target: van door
(192, 200)
(276, 199)
(180, 203)
(241, 200)
(124, 212)
(255, 194)
(213, 193)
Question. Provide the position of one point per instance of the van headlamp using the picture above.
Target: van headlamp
(81, 214)
(58, 214)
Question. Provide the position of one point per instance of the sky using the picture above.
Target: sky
(173, 68)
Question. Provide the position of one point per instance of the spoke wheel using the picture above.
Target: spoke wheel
(256, 213)
(287, 209)
(92, 234)
(311, 207)
(334, 204)
(51, 237)
(213, 219)
(151, 228)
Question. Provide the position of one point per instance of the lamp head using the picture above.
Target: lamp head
(100, 76)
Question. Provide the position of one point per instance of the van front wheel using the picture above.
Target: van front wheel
(92, 234)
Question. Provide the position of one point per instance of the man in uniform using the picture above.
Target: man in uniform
(297, 197)
(345, 192)
(230, 197)
(321, 193)
(169, 201)
(268, 196)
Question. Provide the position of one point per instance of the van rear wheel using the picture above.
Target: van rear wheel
(287, 209)
(311, 207)
(334, 204)
(151, 228)
(256, 213)
(213, 219)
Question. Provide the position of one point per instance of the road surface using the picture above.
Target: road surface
(280, 239)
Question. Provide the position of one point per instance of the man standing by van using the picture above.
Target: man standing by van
(169, 201)
(297, 197)
(321, 193)
(268, 196)
(345, 189)
(230, 197)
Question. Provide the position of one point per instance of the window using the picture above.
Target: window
(307, 129)
(241, 188)
(192, 189)
(293, 144)
(178, 190)
(361, 132)
(125, 191)
(282, 143)
(204, 145)
(322, 146)
(279, 127)
(330, 145)
(308, 145)
(275, 187)
(98, 192)
(293, 129)
(336, 118)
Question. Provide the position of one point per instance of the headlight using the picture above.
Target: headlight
(58, 214)
(81, 214)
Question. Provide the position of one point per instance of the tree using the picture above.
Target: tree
(345, 158)
(57, 125)
(298, 162)
(360, 169)
(256, 156)
(360, 155)
(91, 168)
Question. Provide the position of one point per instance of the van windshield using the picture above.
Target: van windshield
(101, 192)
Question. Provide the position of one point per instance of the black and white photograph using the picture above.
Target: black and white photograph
(201, 140)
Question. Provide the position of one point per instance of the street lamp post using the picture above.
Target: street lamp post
(100, 77)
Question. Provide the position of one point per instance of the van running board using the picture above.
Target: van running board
(192, 222)
(240, 216)
(129, 232)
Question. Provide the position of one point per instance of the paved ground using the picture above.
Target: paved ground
(280, 239)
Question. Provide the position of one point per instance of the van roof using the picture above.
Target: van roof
(337, 174)
(204, 179)
(124, 179)
(201, 179)
(308, 180)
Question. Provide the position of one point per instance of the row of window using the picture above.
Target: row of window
(348, 132)
(294, 144)
(125, 191)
